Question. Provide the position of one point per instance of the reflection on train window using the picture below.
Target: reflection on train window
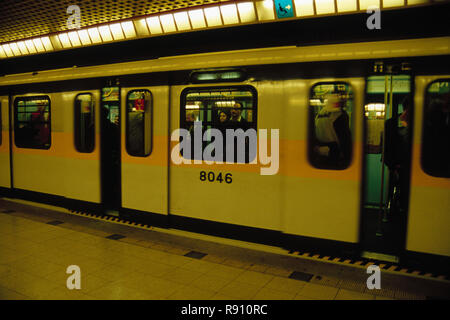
(139, 123)
(436, 130)
(221, 108)
(331, 125)
(32, 122)
(84, 123)
(1, 125)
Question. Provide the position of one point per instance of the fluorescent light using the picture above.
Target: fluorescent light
(213, 16)
(346, 5)
(154, 25)
(38, 44)
(393, 3)
(128, 29)
(229, 14)
(15, 49)
(8, 50)
(84, 37)
(22, 47)
(2, 53)
(304, 8)
(47, 43)
(364, 4)
(324, 6)
(141, 27)
(73, 36)
(182, 20)
(30, 46)
(265, 10)
(54, 39)
(197, 19)
(94, 35)
(168, 23)
(105, 33)
(64, 38)
(116, 31)
(247, 11)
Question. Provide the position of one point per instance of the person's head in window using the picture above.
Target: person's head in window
(190, 116)
(236, 111)
(404, 117)
(334, 102)
(223, 116)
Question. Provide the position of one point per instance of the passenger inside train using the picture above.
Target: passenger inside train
(332, 136)
(397, 156)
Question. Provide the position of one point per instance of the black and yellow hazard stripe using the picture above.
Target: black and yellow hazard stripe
(363, 262)
(113, 219)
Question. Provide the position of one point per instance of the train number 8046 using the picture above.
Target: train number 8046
(211, 177)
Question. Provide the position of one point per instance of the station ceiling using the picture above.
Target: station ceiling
(36, 27)
(20, 19)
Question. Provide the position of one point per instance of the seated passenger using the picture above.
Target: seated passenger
(223, 117)
(332, 133)
(236, 111)
(190, 119)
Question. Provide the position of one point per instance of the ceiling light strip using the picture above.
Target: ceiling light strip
(183, 20)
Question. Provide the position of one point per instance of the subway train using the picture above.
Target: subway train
(103, 139)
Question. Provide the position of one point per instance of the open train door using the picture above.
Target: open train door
(110, 159)
(387, 162)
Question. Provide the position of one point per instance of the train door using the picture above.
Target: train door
(387, 163)
(5, 174)
(110, 149)
(144, 150)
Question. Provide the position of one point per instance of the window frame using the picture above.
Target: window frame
(240, 87)
(425, 100)
(16, 121)
(127, 126)
(311, 127)
(77, 126)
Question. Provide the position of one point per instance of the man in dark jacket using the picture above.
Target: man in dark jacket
(397, 153)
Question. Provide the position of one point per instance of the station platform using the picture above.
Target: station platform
(121, 262)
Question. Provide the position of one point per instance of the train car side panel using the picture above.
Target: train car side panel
(429, 205)
(5, 174)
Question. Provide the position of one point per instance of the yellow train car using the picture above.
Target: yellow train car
(104, 139)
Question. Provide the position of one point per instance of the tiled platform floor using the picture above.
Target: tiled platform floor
(34, 257)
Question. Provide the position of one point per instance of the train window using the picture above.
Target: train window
(1, 125)
(32, 127)
(331, 126)
(436, 130)
(139, 123)
(84, 123)
(220, 108)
